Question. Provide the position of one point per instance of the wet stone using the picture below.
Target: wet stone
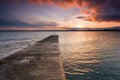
(41, 61)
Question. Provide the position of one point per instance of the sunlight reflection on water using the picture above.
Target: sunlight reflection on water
(91, 55)
(85, 55)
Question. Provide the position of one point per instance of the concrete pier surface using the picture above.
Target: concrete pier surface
(41, 61)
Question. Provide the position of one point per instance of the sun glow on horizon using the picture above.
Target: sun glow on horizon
(79, 26)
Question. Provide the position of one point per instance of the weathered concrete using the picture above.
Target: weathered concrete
(41, 61)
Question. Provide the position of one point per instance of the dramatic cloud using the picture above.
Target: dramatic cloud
(11, 23)
(97, 10)
(104, 10)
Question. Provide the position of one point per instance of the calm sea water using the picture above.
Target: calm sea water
(85, 55)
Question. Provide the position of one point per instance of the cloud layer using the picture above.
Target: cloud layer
(97, 10)
(11, 23)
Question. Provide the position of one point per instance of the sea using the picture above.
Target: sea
(86, 55)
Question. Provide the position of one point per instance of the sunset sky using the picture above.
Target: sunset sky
(58, 14)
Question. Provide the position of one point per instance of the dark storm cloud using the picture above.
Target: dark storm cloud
(108, 17)
(9, 23)
(104, 10)
(101, 10)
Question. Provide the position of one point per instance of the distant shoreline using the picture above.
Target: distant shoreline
(49, 30)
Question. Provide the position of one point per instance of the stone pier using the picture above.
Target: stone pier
(41, 61)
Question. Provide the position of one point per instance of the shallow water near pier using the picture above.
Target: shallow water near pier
(85, 55)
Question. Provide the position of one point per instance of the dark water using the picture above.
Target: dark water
(11, 42)
(86, 55)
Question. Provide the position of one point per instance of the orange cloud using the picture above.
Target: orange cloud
(68, 4)
(98, 10)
